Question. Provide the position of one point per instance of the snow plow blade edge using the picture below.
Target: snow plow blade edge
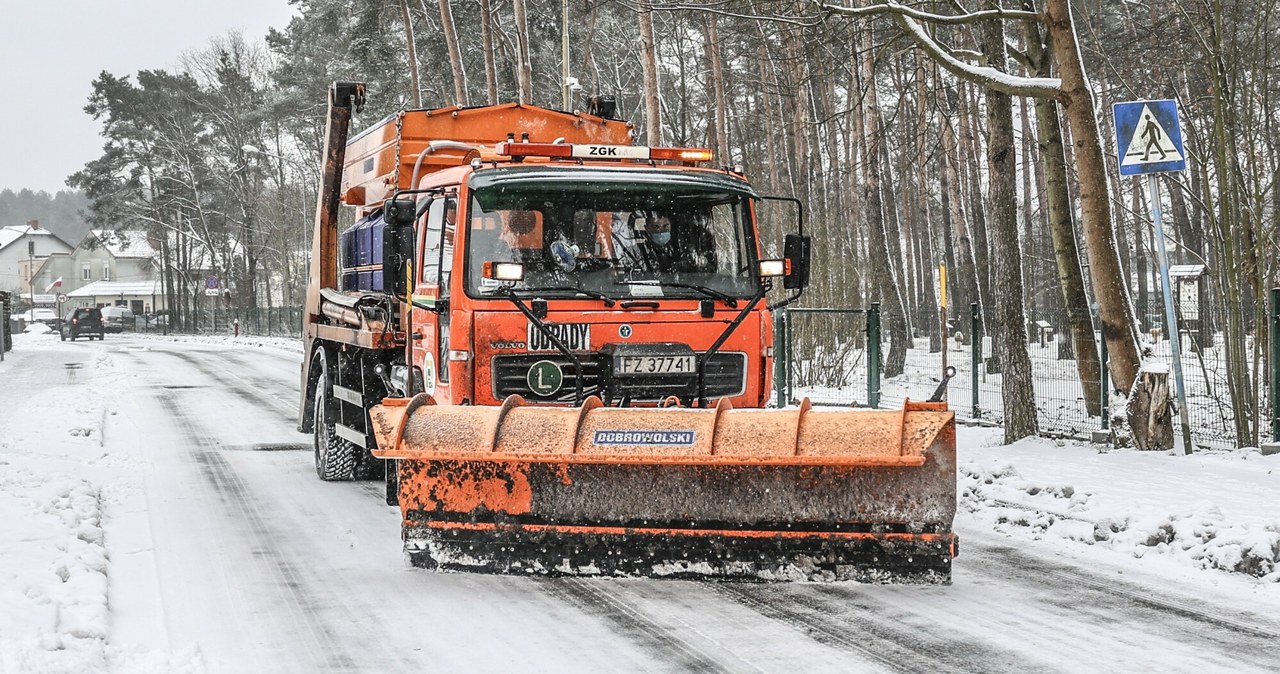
(754, 494)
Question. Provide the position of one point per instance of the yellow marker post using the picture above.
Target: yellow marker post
(942, 314)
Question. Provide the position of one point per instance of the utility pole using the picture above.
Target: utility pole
(31, 268)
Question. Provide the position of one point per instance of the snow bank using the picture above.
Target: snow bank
(53, 575)
(57, 475)
(288, 344)
(1204, 536)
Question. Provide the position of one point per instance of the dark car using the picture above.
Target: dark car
(82, 323)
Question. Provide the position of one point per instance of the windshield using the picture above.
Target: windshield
(623, 240)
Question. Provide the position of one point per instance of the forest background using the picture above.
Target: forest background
(888, 120)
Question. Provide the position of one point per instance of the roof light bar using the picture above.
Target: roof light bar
(587, 151)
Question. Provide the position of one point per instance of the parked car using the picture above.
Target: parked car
(84, 322)
(114, 319)
(47, 316)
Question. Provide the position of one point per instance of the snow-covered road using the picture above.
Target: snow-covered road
(159, 512)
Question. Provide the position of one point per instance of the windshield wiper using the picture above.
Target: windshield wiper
(707, 292)
(608, 301)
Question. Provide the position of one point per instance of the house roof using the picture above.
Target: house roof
(125, 243)
(14, 232)
(116, 288)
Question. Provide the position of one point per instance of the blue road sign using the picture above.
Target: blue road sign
(1149, 137)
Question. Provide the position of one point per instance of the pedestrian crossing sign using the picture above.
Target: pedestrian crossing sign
(1149, 137)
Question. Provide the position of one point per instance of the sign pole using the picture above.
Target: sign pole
(1171, 317)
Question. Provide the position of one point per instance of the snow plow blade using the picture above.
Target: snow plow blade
(750, 494)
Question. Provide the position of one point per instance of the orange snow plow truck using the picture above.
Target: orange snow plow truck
(555, 346)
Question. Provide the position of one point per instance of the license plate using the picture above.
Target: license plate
(642, 365)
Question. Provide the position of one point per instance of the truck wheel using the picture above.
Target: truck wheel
(335, 457)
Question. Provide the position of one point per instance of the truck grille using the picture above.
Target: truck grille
(726, 377)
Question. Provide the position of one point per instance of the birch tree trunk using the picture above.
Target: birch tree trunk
(524, 68)
(1066, 254)
(873, 209)
(719, 106)
(415, 89)
(455, 54)
(966, 276)
(1109, 286)
(649, 68)
(1006, 274)
(486, 41)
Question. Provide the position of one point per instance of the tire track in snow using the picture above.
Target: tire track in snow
(284, 575)
(232, 381)
(298, 582)
(837, 615)
(1082, 592)
(666, 644)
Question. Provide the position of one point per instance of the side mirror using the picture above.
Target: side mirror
(797, 248)
(398, 216)
(399, 212)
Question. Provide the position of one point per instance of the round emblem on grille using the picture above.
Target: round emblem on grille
(624, 331)
(544, 378)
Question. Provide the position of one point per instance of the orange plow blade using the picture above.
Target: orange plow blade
(757, 494)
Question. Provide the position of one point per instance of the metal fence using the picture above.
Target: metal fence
(262, 322)
(830, 356)
(833, 357)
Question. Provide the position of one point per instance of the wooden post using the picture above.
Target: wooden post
(1154, 429)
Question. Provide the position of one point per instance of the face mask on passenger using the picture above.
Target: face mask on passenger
(660, 238)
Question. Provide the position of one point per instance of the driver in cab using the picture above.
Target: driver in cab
(692, 252)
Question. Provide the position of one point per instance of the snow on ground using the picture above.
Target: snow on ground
(74, 541)
(1207, 513)
(59, 481)
(288, 344)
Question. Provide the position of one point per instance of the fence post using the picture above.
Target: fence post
(873, 355)
(975, 350)
(1105, 376)
(1275, 366)
(780, 358)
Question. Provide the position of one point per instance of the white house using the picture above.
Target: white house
(24, 249)
(109, 268)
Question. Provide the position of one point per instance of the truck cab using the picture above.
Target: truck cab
(566, 266)
(557, 282)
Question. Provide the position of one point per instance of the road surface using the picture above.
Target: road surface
(224, 541)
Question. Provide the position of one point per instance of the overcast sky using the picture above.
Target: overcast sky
(51, 51)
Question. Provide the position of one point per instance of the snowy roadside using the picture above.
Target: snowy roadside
(285, 344)
(61, 484)
(1206, 513)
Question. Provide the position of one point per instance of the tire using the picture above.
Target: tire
(335, 457)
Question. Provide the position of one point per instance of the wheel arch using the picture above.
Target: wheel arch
(317, 363)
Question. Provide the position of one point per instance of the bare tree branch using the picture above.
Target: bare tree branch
(1034, 87)
(890, 7)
